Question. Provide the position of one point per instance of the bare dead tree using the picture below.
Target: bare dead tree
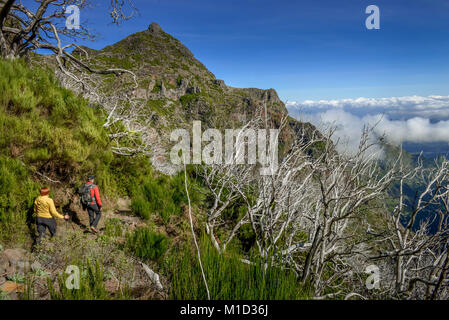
(278, 203)
(225, 182)
(415, 260)
(23, 29)
(346, 183)
(318, 197)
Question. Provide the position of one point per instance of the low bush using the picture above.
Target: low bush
(163, 195)
(228, 278)
(91, 285)
(17, 193)
(145, 244)
(113, 227)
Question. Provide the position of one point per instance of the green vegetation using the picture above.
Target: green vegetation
(163, 195)
(120, 63)
(113, 227)
(48, 130)
(47, 126)
(146, 244)
(157, 105)
(91, 286)
(188, 98)
(17, 193)
(228, 278)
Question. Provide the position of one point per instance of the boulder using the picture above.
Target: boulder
(219, 83)
(155, 28)
(14, 261)
(123, 205)
(13, 256)
(11, 286)
(193, 90)
(23, 266)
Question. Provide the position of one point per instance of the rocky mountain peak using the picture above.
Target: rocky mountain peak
(155, 28)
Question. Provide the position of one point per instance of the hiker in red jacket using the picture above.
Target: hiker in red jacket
(94, 208)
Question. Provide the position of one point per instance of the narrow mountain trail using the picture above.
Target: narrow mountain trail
(24, 273)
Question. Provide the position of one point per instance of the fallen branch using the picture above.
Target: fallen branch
(353, 294)
(154, 277)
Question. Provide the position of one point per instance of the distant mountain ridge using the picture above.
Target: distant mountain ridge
(180, 89)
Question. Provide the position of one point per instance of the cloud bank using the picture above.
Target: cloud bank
(403, 119)
(435, 108)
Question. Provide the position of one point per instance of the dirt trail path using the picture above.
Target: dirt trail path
(74, 238)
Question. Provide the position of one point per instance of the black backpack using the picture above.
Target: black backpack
(84, 192)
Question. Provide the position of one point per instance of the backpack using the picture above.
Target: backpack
(84, 192)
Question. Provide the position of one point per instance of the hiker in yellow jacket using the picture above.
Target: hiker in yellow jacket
(45, 209)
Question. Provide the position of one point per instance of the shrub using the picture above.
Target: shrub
(188, 98)
(52, 128)
(228, 278)
(163, 195)
(113, 227)
(146, 244)
(53, 131)
(17, 193)
(91, 285)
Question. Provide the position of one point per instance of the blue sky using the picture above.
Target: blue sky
(306, 50)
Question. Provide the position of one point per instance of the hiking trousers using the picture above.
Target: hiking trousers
(42, 225)
(94, 215)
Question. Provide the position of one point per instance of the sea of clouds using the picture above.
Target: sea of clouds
(401, 119)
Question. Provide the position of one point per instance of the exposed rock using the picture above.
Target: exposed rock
(10, 287)
(23, 267)
(193, 90)
(159, 59)
(151, 85)
(163, 90)
(183, 85)
(219, 83)
(36, 266)
(140, 93)
(4, 264)
(185, 52)
(14, 256)
(123, 205)
(269, 95)
(155, 28)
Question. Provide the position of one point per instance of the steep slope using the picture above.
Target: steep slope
(178, 88)
(49, 136)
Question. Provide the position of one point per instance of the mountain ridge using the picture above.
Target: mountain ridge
(178, 89)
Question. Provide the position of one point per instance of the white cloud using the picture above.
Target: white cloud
(431, 107)
(413, 119)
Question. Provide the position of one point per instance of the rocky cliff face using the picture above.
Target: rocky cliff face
(179, 89)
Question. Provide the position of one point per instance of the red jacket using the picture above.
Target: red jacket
(95, 192)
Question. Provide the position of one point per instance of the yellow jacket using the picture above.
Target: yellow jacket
(44, 207)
